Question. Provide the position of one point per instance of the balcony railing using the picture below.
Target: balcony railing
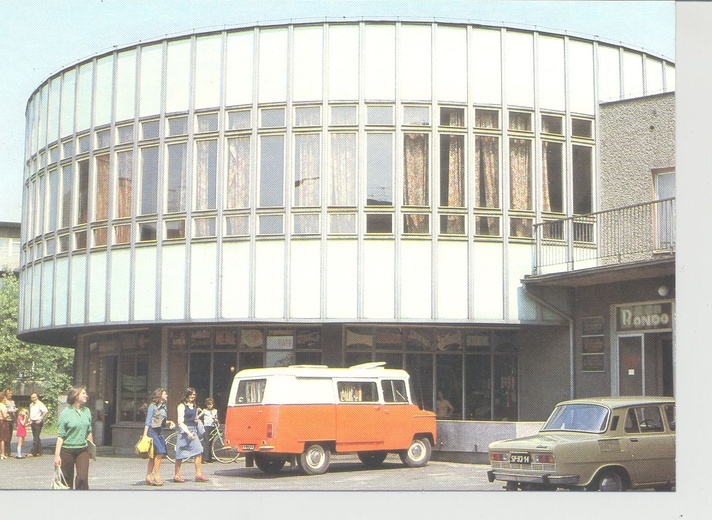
(616, 236)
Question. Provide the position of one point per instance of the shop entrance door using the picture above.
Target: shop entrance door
(631, 379)
(646, 364)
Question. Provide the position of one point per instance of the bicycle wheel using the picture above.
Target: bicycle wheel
(171, 442)
(222, 453)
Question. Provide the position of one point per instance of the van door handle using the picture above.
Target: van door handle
(634, 440)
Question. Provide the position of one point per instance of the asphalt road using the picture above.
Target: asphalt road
(346, 473)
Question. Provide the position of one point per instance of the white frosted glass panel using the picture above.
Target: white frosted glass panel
(97, 287)
(61, 291)
(150, 90)
(487, 281)
(36, 295)
(47, 293)
(178, 76)
(307, 77)
(550, 73)
(66, 118)
(343, 62)
(380, 62)
(27, 299)
(53, 110)
(103, 90)
(125, 85)
(269, 280)
(84, 84)
(120, 285)
(669, 78)
(341, 279)
(451, 64)
(520, 264)
(305, 280)
(208, 57)
(581, 83)
(416, 280)
(519, 69)
(42, 117)
(236, 280)
(632, 74)
(452, 280)
(77, 290)
(173, 282)
(378, 280)
(415, 67)
(273, 65)
(238, 68)
(487, 66)
(203, 280)
(609, 76)
(653, 76)
(145, 284)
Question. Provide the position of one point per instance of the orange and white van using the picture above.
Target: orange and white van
(301, 414)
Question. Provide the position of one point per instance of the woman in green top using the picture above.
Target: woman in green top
(73, 432)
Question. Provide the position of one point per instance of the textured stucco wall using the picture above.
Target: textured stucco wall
(636, 136)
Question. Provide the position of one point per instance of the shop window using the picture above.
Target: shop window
(133, 384)
(200, 339)
(251, 339)
(308, 339)
(388, 338)
(226, 338)
(504, 388)
(420, 369)
(449, 385)
(239, 119)
(478, 400)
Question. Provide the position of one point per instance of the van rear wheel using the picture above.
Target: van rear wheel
(315, 459)
(372, 459)
(418, 454)
(267, 464)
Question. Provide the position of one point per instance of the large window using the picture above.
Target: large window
(101, 190)
(272, 170)
(379, 170)
(149, 180)
(552, 177)
(343, 169)
(124, 189)
(415, 170)
(82, 191)
(176, 178)
(452, 170)
(307, 169)
(582, 170)
(206, 171)
(238, 173)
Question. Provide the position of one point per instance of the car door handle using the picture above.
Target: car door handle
(634, 440)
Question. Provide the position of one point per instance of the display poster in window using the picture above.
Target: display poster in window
(592, 363)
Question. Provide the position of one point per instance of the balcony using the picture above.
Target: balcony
(637, 233)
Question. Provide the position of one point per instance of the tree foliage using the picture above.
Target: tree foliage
(20, 362)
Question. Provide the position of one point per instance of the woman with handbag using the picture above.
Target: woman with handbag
(188, 444)
(74, 433)
(156, 419)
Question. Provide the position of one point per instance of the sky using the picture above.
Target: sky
(39, 38)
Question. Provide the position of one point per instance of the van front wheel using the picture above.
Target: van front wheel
(267, 464)
(418, 454)
(315, 459)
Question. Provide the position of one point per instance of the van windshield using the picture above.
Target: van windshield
(250, 391)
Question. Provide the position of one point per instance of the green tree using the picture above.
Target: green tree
(22, 362)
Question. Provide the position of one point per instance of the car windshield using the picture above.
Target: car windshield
(578, 417)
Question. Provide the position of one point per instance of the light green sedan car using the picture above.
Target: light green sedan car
(605, 443)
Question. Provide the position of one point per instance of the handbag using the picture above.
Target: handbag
(58, 480)
(91, 447)
(143, 447)
(201, 428)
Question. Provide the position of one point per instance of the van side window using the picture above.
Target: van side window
(394, 391)
(357, 391)
(251, 391)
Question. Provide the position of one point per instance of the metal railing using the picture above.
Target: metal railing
(616, 236)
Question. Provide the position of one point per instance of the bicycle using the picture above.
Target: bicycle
(222, 453)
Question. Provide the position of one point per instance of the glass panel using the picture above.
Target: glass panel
(388, 338)
(478, 388)
(271, 117)
(582, 179)
(415, 170)
(581, 127)
(344, 168)
(552, 125)
(521, 121)
(271, 225)
(176, 177)
(271, 170)
(452, 170)
(80, 240)
(452, 116)
(379, 169)
(239, 120)
(552, 177)
(53, 179)
(416, 116)
(103, 140)
(520, 169)
(251, 338)
(122, 234)
(379, 115)
(206, 123)
(307, 169)
(224, 367)
(237, 226)
(486, 118)
(100, 237)
(359, 338)
(251, 360)
(521, 227)
(101, 190)
(124, 188)
(306, 224)
(204, 227)
(177, 126)
(344, 115)
(487, 226)
(416, 224)
(147, 231)
(206, 174)
(199, 375)
(82, 191)
(84, 143)
(487, 171)
(452, 224)
(149, 180)
(357, 392)
(68, 149)
(342, 223)
(505, 388)
(379, 223)
(309, 339)
(420, 368)
(238, 173)
(124, 134)
(66, 195)
(631, 365)
(307, 116)
(149, 129)
(175, 229)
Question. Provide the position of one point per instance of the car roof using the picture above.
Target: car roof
(621, 401)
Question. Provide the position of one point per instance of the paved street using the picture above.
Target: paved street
(346, 473)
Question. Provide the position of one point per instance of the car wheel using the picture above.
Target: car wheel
(610, 480)
(268, 465)
(418, 454)
(372, 459)
(511, 486)
(315, 459)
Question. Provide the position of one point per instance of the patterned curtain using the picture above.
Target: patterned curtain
(344, 166)
(415, 182)
(520, 174)
(487, 175)
(101, 209)
(452, 150)
(124, 170)
(238, 173)
(307, 171)
(545, 196)
(205, 172)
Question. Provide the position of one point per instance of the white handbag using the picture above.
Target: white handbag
(58, 481)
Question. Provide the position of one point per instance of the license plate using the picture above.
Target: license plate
(520, 458)
(248, 447)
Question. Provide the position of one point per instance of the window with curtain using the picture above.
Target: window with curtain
(582, 179)
(101, 190)
(53, 179)
(520, 168)
(552, 193)
(176, 182)
(149, 180)
(343, 169)
(66, 196)
(379, 170)
(487, 182)
(238, 173)
(415, 170)
(452, 170)
(307, 169)
(124, 191)
(82, 191)
(206, 168)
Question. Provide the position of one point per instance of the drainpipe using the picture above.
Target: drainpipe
(571, 334)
